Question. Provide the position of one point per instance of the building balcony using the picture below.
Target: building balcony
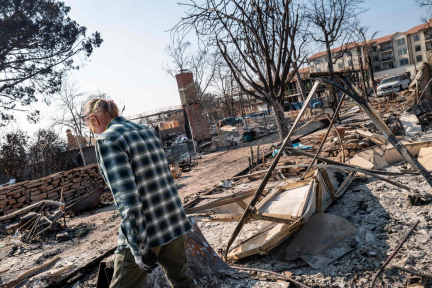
(428, 47)
(385, 48)
(428, 37)
(387, 59)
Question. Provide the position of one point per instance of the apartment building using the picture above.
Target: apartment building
(392, 54)
(344, 57)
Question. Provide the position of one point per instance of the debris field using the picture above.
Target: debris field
(343, 207)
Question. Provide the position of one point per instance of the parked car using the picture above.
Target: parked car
(250, 115)
(261, 113)
(393, 84)
(230, 121)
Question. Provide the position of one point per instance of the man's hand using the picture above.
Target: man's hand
(147, 262)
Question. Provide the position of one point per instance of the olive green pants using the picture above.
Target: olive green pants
(172, 258)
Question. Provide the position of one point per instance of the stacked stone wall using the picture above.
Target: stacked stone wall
(75, 183)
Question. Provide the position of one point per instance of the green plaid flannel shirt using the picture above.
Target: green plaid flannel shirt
(133, 164)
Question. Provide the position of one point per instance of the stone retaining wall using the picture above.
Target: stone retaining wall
(74, 183)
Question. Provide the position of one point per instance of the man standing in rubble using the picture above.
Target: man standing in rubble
(153, 222)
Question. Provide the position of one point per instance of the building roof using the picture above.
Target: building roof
(383, 39)
(335, 50)
(418, 28)
(304, 70)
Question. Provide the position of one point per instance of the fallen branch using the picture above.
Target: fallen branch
(411, 271)
(29, 208)
(273, 273)
(404, 239)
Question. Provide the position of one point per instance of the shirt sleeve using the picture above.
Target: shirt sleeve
(117, 171)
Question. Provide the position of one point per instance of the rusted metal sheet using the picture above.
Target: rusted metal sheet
(89, 201)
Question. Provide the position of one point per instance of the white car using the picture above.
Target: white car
(393, 84)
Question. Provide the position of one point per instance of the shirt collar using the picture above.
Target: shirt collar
(116, 120)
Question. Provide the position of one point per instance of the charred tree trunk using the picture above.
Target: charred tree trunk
(281, 121)
(372, 74)
(363, 74)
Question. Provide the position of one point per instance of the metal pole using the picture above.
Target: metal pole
(325, 136)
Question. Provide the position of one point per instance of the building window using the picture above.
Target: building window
(403, 61)
(377, 68)
(340, 65)
(402, 51)
(318, 70)
(391, 66)
(417, 48)
(317, 62)
(374, 48)
(349, 62)
(416, 37)
(419, 58)
(376, 58)
(400, 41)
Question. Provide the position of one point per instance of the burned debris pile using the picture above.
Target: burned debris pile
(346, 204)
(62, 197)
(281, 199)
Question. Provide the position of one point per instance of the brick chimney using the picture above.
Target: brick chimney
(71, 141)
(192, 110)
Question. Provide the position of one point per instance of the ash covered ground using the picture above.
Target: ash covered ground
(382, 214)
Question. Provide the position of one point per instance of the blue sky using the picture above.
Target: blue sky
(128, 66)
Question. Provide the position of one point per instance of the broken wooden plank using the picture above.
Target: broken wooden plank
(425, 157)
(221, 201)
(30, 207)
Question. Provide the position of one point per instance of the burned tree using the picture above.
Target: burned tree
(70, 102)
(221, 82)
(367, 53)
(262, 35)
(38, 43)
(332, 22)
(427, 6)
